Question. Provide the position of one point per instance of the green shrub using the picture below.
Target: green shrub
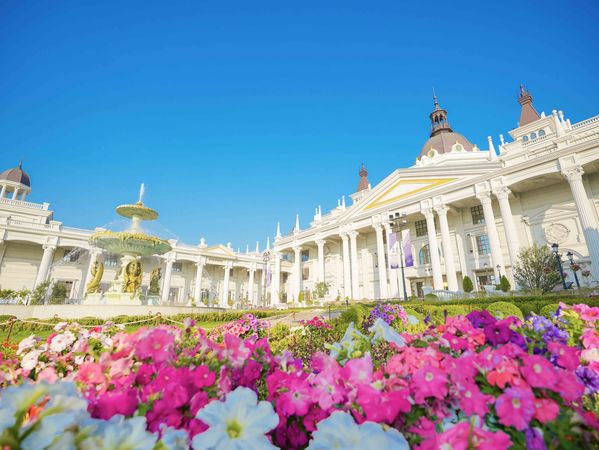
(536, 269)
(467, 284)
(504, 284)
(549, 310)
(504, 309)
(430, 297)
(58, 295)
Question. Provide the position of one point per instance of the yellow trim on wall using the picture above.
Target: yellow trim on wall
(430, 183)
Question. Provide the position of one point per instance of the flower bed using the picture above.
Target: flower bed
(470, 382)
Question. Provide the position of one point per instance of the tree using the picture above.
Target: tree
(467, 284)
(504, 284)
(38, 295)
(321, 289)
(536, 269)
(59, 294)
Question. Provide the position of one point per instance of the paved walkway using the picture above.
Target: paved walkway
(294, 318)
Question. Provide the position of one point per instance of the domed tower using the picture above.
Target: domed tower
(442, 138)
(14, 184)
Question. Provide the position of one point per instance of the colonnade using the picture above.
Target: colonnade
(436, 208)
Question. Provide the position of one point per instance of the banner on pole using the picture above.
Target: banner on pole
(394, 257)
(407, 249)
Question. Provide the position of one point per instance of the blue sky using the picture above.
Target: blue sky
(240, 114)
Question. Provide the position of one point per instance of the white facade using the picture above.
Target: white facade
(477, 208)
(468, 212)
(35, 248)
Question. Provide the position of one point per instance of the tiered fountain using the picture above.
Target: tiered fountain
(132, 244)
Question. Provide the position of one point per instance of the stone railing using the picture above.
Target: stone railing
(8, 201)
(586, 122)
(24, 223)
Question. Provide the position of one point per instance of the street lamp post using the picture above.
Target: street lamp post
(570, 256)
(397, 221)
(558, 257)
(266, 259)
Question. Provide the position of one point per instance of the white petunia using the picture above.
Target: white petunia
(117, 433)
(413, 320)
(383, 331)
(174, 439)
(238, 423)
(340, 431)
(26, 344)
(7, 418)
(30, 360)
(60, 342)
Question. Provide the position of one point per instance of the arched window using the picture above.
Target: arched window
(424, 256)
(525, 138)
(541, 133)
(533, 136)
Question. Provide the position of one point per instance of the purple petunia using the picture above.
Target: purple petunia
(498, 333)
(480, 319)
(589, 378)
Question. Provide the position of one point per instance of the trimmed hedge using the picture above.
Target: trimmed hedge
(91, 321)
(502, 310)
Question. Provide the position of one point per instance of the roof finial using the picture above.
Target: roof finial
(528, 112)
(20, 165)
(435, 99)
(363, 184)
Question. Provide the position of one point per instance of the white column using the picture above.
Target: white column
(589, 225)
(197, 287)
(346, 266)
(448, 250)
(224, 298)
(15, 193)
(355, 280)
(494, 243)
(166, 283)
(3, 191)
(275, 285)
(297, 272)
(42, 273)
(433, 248)
(23, 196)
(320, 243)
(393, 273)
(513, 242)
(380, 253)
(93, 257)
(252, 272)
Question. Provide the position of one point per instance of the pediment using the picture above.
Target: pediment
(219, 250)
(405, 188)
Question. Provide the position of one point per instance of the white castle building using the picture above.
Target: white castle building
(462, 211)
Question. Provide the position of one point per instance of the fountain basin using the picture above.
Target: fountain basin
(139, 210)
(127, 243)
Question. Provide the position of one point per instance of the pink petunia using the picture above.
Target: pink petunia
(382, 406)
(546, 410)
(157, 345)
(429, 381)
(538, 372)
(472, 401)
(515, 407)
(566, 356)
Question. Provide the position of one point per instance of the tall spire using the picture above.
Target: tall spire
(439, 123)
(296, 228)
(363, 184)
(278, 235)
(528, 113)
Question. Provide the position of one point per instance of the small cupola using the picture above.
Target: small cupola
(14, 184)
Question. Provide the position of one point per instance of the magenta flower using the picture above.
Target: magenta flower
(538, 372)
(515, 407)
(297, 398)
(498, 333)
(380, 406)
(546, 410)
(157, 345)
(429, 381)
(472, 401)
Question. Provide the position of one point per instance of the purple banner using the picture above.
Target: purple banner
(407, 249)
(394, 258)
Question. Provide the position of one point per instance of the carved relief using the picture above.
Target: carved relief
(556, 233)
